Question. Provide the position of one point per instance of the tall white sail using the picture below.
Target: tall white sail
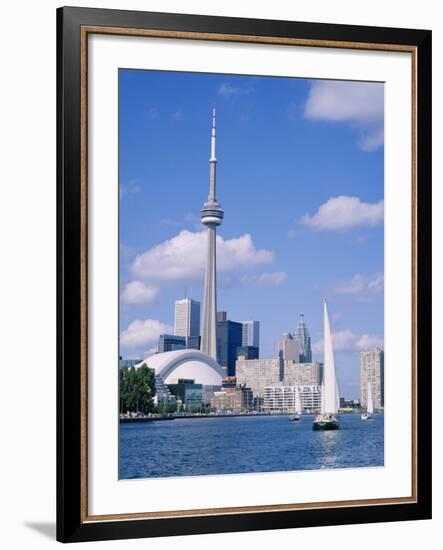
(370, 407)
(329, 398)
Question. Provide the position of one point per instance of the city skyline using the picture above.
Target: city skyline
(268, 271)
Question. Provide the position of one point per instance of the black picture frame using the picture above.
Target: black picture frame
(71, 523)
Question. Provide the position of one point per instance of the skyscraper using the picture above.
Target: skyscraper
(288, 348)
(301, 336)
(187, 318)
(372, 368)
(229, 339)
(211, 217)
(222, 316)
(251, 333)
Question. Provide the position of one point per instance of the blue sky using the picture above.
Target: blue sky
(300, 177)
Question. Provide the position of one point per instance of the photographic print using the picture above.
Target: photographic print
(251, 261)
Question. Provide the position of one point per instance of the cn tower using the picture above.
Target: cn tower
(211, 216)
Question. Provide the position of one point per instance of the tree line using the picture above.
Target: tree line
(137, 389)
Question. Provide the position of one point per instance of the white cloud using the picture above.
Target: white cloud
(274, 278)
(183, 257)
(143, 333)
(346, 340)
(358, 103)
(137, 292)
(363, 287)
(341, 213)
(372, 140)
(177, 115)
(228, 89)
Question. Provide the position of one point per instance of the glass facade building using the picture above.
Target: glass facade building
(171, 342)
(229, 338)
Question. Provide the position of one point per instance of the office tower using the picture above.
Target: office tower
(229, 339)
(211, 216)
(187, 318)
(222, 316)
(372, 369)
(301, 336)
(288, 348)
(251, 333)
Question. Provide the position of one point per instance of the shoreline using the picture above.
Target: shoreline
(233, 415)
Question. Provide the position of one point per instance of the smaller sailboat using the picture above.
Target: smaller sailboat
(370, 405)
(297, 408)
(328, 419)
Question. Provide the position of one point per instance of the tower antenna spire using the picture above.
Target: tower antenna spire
(212, 161)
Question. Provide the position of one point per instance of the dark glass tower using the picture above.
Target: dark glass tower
(229, 338)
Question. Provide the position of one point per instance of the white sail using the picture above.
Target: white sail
(370, 406)
(322, 401)
(297, 403)
(329, 401)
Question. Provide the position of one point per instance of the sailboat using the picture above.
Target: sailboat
(297, 408)
(370, 405)
(328, 419)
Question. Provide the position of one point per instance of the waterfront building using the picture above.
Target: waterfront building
(208, 393)
(222, 316)
(229, 382)
(223, 401)
(229, 338)
(288, 348)
(349, 404)
(188, 392)
(251, 333)
(372, 369)
(310, 398)
(303, 339)
(162, 394)
(286, 398)
(187, 318)
(171, 342)
(281, 398)
(259, 373)
(239, 399)
(211, 216)
(302, 374)
(249, 352)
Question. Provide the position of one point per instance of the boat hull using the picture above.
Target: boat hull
(321, 426)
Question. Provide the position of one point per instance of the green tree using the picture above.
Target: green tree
(137, 389)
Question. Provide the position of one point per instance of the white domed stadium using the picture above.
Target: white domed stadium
(188, 363)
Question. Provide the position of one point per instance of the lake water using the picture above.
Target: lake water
(208, 446)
